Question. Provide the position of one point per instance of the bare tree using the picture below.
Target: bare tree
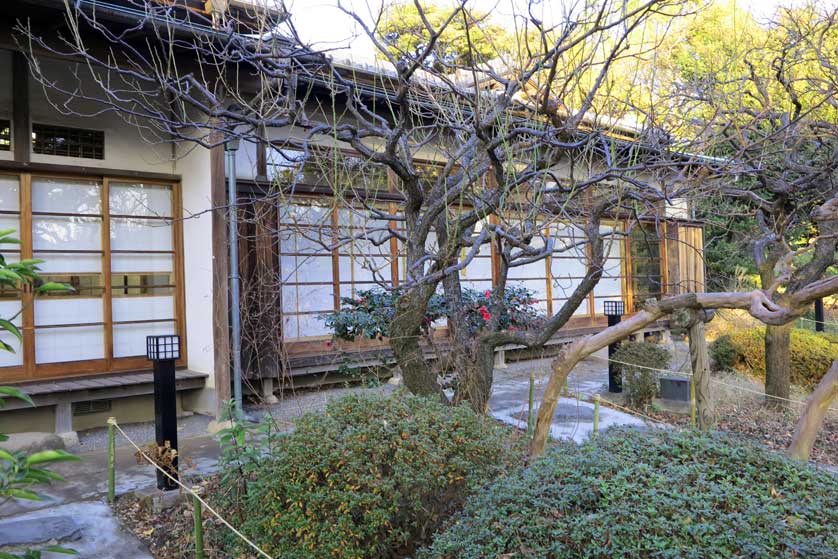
(522, 147)
(522, 143)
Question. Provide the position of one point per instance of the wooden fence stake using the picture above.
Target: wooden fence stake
(692, 401)
(111, 460)
(197, 515)
(530, 418)
(596, 416)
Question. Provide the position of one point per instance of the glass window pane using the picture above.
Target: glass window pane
(140, 199)
(66, 196)
(140, 234)
(129, 339)
(66, 233)
(9, 193)
(79, 310)
(126, 309)
(121, 263)
(53, 345)
(69, 263)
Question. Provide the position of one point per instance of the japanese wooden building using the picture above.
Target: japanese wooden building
(130, 225)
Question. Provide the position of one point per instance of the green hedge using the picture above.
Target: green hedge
(371, 477)
(811, 353)
(633, 495)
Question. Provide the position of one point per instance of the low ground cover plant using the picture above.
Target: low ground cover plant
(369, 477)
(811, 353)
(634, 494)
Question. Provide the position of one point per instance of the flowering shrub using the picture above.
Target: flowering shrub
(370, 313)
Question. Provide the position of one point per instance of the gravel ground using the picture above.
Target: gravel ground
(194, 425)
(290, 405)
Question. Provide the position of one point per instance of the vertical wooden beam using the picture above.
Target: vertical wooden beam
(180, 273)
(220, 291)
(548, 268)
(21, 134)
(107, 304)
(27, 300)
(629, 279)
(262, 157)
(394, 242)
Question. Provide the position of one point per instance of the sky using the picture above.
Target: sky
(320, 21)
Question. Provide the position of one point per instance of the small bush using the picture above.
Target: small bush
(633, 495)
(723, 353)
(811, 353)
(370, 477)
(640, 383)
(369, 315)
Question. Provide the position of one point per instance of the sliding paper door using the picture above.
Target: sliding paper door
(142, 252)
(67, 234)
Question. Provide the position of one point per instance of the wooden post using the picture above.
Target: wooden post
(197, 516)
(596, 416)
(530, 418)
(111, 460)
(692, 401)
(701, 403)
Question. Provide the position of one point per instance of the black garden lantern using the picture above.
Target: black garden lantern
(614, 310)
(164, 351)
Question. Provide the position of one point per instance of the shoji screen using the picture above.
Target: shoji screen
(610, 286)
(142, 245)
(567, 265)
(10, 299)
(67, 234)
(305, 233)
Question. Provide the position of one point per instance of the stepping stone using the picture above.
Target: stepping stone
(569, 413)
(39, 530)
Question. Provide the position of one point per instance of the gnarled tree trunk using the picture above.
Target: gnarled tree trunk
(405, 333)
(812, 417)
(777, 365)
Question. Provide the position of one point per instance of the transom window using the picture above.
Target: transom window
(69, 142)
(5, 135)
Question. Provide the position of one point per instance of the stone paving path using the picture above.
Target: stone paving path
(573, 418)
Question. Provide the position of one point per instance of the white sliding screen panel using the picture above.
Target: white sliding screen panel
(67, 234)
(10, 298)
(142, 244)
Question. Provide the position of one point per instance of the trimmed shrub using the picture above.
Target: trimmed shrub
(633, 495)
(811, 353)
(723, 353)
(370, 477)
(369, 315)
(640, 383)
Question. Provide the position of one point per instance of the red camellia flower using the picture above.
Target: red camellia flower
(487, 293)
(484, 312)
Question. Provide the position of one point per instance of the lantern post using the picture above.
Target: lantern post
(164, 351)
(614, 310)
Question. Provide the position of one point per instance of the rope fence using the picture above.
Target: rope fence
(716, 381)
(112, 424)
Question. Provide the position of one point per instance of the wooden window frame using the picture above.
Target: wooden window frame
(30, 370)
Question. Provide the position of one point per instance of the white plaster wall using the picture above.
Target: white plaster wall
(126, 147)
(193, 166)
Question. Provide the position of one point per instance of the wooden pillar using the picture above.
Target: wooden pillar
(21, 133)
(700, 360)
(220, 309)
